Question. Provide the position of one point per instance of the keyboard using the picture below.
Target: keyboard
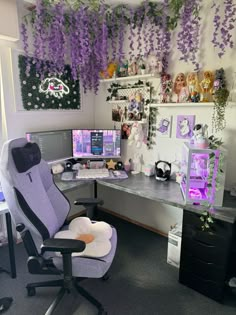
(93, 173)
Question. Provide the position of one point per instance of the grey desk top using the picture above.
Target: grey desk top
(165, 192)
(168, 193)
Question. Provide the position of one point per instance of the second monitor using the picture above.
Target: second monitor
(96, 143)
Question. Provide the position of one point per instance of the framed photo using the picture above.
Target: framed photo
(184, 126)
(164, 124)
(50, 93)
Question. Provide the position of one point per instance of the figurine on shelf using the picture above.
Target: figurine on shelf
(200, 136)
(122, 70)
(166, 88)
(136, 136)
(141, 66)
(180, 88)
(110, 71)
(219, 82)
(154, 66)
(206, 86)
(133, 68)
(193, 87)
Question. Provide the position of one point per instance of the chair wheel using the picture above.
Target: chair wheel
(102, 312)
(31, 291)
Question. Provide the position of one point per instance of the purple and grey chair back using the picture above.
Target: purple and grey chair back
(32, 197)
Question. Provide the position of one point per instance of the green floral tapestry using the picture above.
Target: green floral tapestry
(52, 92)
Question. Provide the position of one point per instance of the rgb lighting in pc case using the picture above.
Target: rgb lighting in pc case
(203, 175)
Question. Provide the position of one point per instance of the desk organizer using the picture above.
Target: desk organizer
(203, 175)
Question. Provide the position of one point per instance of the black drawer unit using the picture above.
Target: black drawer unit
(205, 255)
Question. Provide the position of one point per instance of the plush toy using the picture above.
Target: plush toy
(219, 82)
(154, 66)
(96, 236)
(109, 72)
(136, 136)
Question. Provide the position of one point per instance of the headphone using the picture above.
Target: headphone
(160, 174)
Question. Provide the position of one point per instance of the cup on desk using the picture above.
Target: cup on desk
(127, 167)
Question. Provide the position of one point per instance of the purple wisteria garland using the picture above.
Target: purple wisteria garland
(89, 37)
(222, 35)
(188, 36)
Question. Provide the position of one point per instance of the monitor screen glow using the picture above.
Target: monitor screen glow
(96, 143)
(54, 145)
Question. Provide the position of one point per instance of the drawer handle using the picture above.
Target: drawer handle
(204, 244)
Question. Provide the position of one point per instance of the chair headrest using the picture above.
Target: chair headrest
(26, 157)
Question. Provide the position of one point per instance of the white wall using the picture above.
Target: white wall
(8, 12)
(170, 148)
(15, 120)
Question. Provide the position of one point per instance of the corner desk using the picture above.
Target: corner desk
(207, 258)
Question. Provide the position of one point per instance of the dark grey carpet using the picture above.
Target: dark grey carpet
(141, 282)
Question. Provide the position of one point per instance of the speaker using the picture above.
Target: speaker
(119, 166)
(162, 174)
(68, 166)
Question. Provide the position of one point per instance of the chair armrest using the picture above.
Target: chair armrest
(64, 246)
(88, 201)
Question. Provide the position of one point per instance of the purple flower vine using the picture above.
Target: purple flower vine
(222, 35)
(23, 31)
(188, 37)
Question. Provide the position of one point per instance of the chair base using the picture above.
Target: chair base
(64, 290)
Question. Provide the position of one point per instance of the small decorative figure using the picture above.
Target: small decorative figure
(154, 66)
(180, 88)
(219, 81)
(193, 87)
(122, 70)
(200, 137)
(136, 136)
(110, 71)
(133, 68)
(166, 88)
(206, 86)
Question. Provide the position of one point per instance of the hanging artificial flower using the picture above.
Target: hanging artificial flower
(222, 35)
(25, 47)
(188, 37)
(131, 36)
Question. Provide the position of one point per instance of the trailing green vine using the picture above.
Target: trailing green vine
(220, 104)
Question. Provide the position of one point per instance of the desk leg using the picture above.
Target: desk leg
(11, 245)
(94, 210)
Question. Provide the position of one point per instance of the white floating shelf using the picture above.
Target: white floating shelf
(189, 104)
(118, 102)
(133, 77)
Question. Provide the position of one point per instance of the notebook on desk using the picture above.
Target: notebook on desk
(89, 174)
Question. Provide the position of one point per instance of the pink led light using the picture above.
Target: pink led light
(195, 193)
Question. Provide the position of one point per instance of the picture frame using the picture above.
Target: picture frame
(184, 126)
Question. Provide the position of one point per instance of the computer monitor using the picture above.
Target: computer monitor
(96, 143)
(54, 145)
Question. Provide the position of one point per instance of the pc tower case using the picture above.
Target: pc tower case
(203, 175)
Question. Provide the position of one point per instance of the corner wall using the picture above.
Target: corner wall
(169, 149)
